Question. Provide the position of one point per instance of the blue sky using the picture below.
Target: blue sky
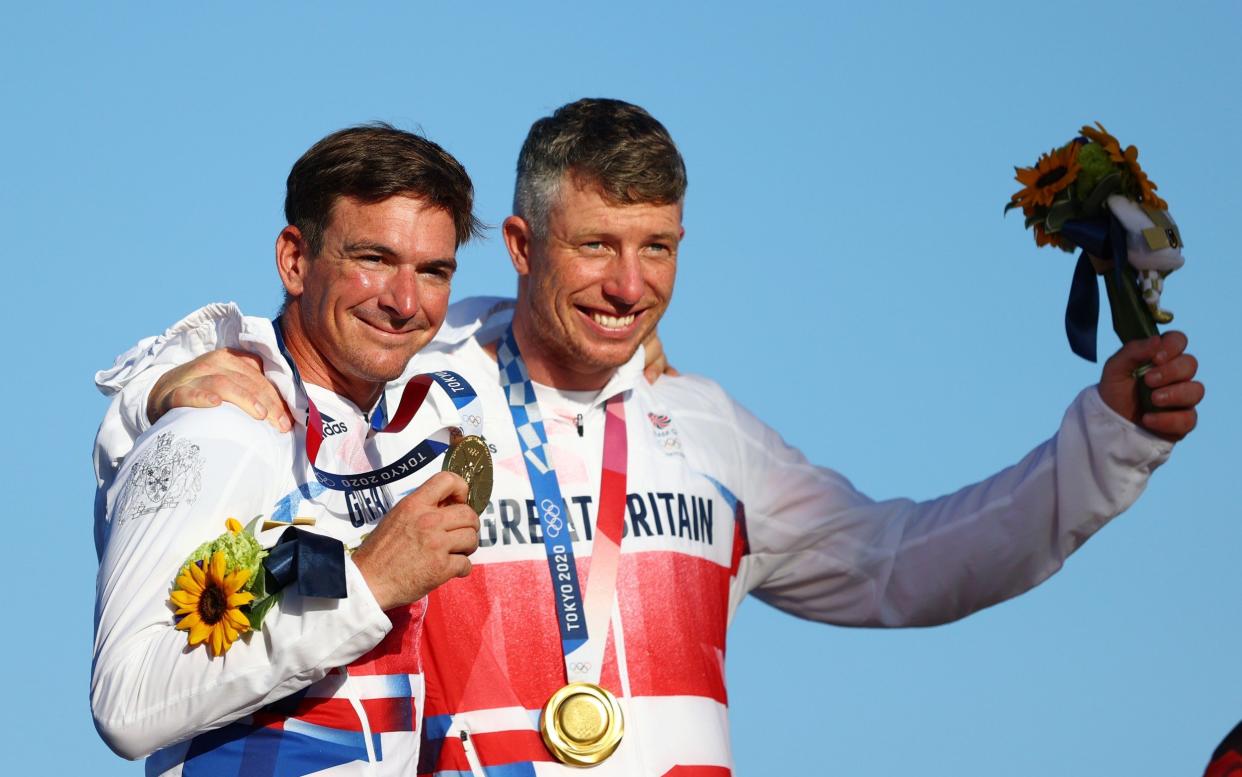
(846, 273)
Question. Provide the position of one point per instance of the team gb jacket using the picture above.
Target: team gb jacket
(716, 506)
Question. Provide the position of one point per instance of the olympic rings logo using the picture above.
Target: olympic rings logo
(580, 667)
(551, 517)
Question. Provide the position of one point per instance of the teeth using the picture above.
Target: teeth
(613, 322)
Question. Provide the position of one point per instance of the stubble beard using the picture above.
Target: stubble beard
(367, 365)
(573, 351)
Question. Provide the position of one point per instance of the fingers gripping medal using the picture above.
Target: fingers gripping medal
(582, 723)
(470, 458)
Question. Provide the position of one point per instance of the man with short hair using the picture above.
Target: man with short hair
(629, 520)
(367, 260)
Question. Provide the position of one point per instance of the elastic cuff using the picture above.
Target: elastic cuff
(1095, 404)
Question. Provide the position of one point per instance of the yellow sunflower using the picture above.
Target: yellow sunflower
(1051, 174)
(210, 599)
(1127, 158)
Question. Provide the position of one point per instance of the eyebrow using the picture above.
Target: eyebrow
(368, 247)
(668, 237)
(662, 236)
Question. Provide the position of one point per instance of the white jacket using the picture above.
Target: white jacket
(718, 506)
(327, 683)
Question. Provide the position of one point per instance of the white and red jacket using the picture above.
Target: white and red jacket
(328, 684)
(718, 506)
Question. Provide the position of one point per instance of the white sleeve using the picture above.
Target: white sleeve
(184, 478)
(129, 381)
(123, 421)
(824, 551)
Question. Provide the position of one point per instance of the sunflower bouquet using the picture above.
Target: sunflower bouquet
(226, 587)
(1091, 194)
(219, 593)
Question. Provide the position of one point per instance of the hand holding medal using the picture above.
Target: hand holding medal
(426, 538)
(424, 541)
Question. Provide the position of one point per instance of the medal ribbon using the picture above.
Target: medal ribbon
(464, 397)
(583, 621)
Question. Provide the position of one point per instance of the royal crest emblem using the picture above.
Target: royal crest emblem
(165, 476)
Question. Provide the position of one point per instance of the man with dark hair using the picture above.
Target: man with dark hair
(367, 261)
(369, 164)
(629, 520)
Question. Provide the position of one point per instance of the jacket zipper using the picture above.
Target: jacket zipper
(356, 702)
(472, 757)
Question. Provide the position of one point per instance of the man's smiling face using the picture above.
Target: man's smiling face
(598, 279)
(377, 292)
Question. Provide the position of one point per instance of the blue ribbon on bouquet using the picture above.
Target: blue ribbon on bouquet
(1104, 238)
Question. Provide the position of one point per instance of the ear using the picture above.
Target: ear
(291, 260)
(518, 238)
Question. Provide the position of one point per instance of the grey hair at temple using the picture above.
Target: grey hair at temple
(610, 144)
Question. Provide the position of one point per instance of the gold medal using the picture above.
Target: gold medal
(582, 724)
(471, 458)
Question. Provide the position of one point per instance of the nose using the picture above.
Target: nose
(400, 297)
(624, 282)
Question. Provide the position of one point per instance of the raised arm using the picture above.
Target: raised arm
(824, 551)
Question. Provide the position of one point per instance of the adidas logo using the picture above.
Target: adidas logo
(332, 426)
